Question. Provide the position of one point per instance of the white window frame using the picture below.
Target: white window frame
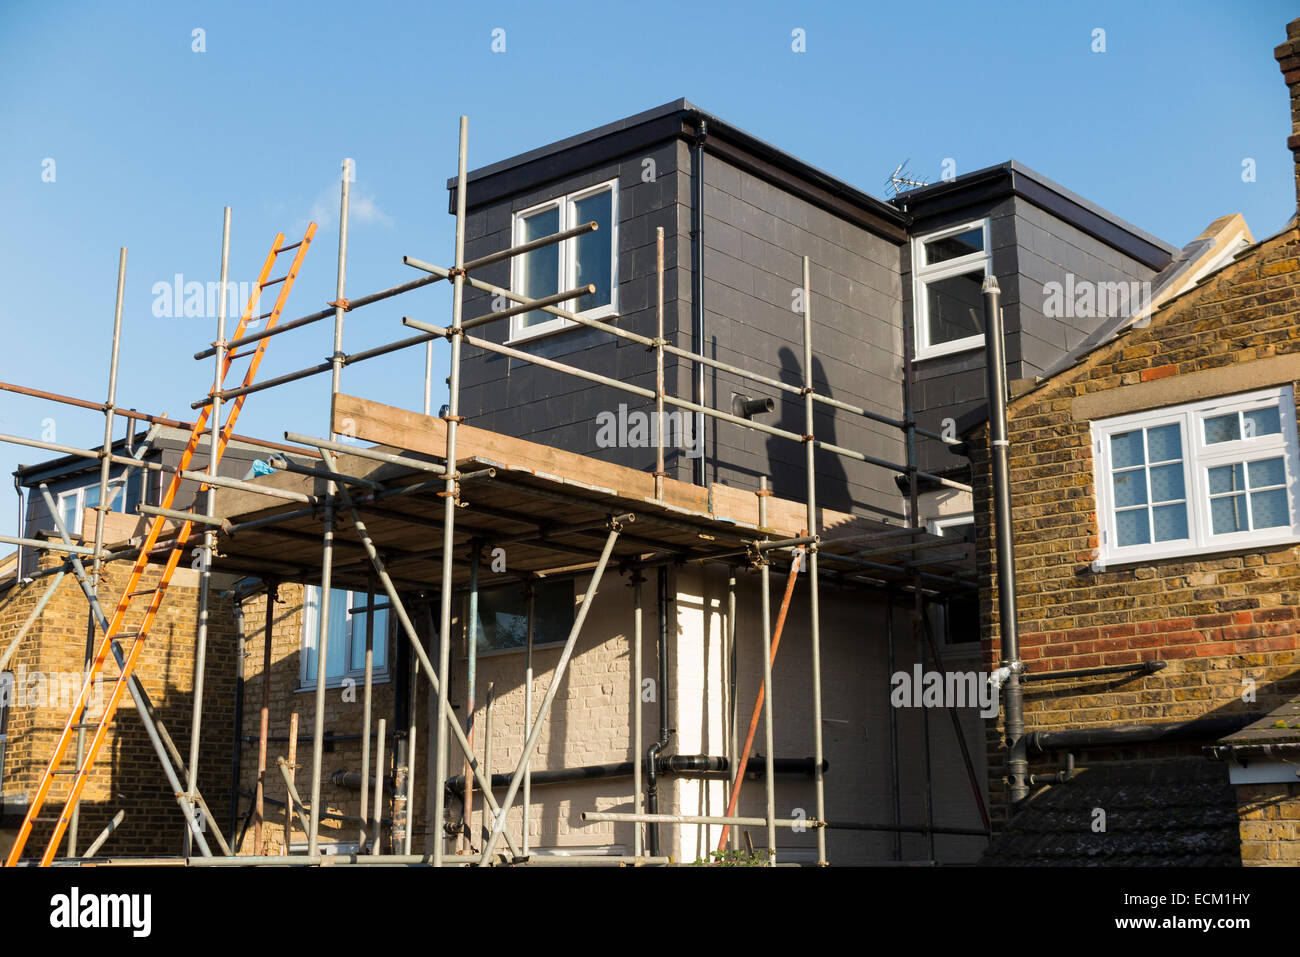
(78, 496)
(1198, 458)
(568, 260)
(922, 274)
(311, 633)
(937, 525)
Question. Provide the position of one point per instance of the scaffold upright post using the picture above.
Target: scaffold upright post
(769, 773)
(449, 497)
(102, 507)
(327, 539)
(814, 609)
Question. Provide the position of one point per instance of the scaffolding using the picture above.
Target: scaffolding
(589, 526)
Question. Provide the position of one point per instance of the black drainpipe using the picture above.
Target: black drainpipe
(995, 368)
(697, 296)
(1125, 735)
(22, 527)
(702, 764)
(665, 732)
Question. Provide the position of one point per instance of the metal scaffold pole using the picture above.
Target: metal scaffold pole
(814, 609)
(264, 726)
(531, 589)
(366, 703)
(769, 775)
(102, 507)
(637, 580)
(209, 535)
(327, 558)
(449, 500)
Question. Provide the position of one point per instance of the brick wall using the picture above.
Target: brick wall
(1270, 824)
(343, 716)
(1216, 620)
(127, 773)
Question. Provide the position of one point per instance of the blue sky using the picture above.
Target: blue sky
(150, 140)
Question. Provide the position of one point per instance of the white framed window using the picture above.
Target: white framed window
(589, 258)
(346, 657)
(123, 496)
(1210, 476)
(948, 269)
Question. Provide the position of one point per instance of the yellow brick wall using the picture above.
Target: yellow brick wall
(1217, 620)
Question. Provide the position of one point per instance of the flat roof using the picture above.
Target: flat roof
(1015, 177)
(678, 118)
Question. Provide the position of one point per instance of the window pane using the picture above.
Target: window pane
(310, 609)
(594, 251)
(338, 628)
(956, 310)
(540, 269)
(1130, 488)
(1126, 450)
(68, 512)
(92, 496)
(337, 664)
(1269, 509)
(1228, 514)
(1222, 428)
(1227, 478)
(952, 247)
(1132, 527)
(1266, 473)
(1165, 443)
(1167, 483)
(1170, 522)
(380, 646)
(503, 615)
(1262, 422)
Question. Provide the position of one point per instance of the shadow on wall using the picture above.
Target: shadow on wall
(787, 458)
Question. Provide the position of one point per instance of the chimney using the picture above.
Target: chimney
(1288, 58)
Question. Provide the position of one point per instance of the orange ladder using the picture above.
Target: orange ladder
(155, 595)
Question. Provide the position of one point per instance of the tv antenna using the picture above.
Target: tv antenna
(902, 179)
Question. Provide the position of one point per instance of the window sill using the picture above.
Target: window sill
(542, 332)
(499, 652)
(949, 348)
(1111, 562)
(335, 683)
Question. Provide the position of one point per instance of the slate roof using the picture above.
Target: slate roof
(1178, 812)
(1276, 732)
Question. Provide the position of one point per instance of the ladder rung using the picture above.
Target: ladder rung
(285, 249)
(69, 771)
(265, 315)
(145, 591)
(47, 820)
(272, 282)
(126, 634)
